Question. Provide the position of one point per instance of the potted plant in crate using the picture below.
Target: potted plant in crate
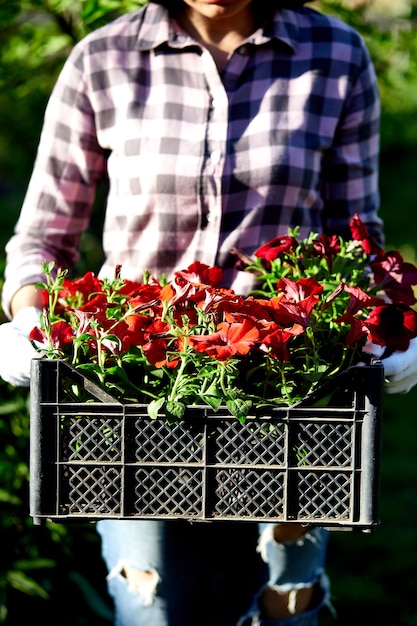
(181, 359)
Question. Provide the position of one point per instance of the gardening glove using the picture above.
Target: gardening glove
(400, 369)
(17, 352)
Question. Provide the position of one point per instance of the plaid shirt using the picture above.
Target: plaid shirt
(198, 162)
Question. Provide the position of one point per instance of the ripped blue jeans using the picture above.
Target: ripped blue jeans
(207, 574)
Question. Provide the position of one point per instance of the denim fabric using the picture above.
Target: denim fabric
(293, 565)
(207, 574)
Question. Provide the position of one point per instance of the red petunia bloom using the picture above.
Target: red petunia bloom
(396, 277)
(130, 288)
(96, 304)
(191, 284)
(230, 339)
(160, 344)
(392, 325)
(120, 330)
(287, 313)
(200, 274)
(360, 300)
(277, 341)
(327, 247)
(219, 301)
(86, 286)
(271, 250)
(299, 290)
(295, 301)
(149, 293)
(61, 333)
(361, 233)
(136, 326)
(358, 329)
(248, 308)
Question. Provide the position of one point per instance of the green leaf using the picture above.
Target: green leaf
(212, 401)
(5, 496)
(37, 563)
(174, 411)
(239, 408)
(213, 396)
(155, 406)
(19, 581)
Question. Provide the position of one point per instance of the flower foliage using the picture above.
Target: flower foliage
(187, 341)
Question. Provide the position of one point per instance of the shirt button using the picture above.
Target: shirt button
(243, 49)
(215, 157)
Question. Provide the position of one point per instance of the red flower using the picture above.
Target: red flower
(200, 274)
(96, 304)
(358, 329)
(295, 301)
(159, 343)
(61, 333)
(149, 294)
(191, 284)
(136, 325)
(288, 313)
(247, 308)
(120, 330)
(131, 288)
(360, 233)
(360, 300)
(396, 277)
(230, 339)
(218, 300)
(299, 290)
(86, 286)
(392, 325)
(278, 339)
(271, 250)
(327, 247)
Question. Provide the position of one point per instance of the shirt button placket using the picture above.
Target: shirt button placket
(216, 146)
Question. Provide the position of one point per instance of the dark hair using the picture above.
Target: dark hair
(265, 6)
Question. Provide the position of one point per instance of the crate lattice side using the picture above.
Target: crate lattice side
(103, 459)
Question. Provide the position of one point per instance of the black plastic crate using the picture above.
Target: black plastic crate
(316, 462)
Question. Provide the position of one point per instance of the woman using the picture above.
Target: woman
(215, 124)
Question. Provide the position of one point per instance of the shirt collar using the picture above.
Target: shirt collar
(283, 27)
(157, 29)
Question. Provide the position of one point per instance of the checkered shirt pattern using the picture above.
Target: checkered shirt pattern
(198, 161)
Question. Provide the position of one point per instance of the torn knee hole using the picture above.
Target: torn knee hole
(277, 603)
(141, 582)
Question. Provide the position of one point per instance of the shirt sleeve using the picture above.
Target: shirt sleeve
(68, 168)
(350, 168)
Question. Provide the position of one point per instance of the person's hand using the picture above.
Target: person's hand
(16, 351)
(400, 369)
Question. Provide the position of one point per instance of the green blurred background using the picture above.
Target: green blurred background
(54, 572)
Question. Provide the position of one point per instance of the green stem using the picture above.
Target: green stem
(223, 385)
(177, 381)
(100, 359)
(284, 385)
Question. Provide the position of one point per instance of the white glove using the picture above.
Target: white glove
(374, 350)
(17, 352)
(400, 369)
